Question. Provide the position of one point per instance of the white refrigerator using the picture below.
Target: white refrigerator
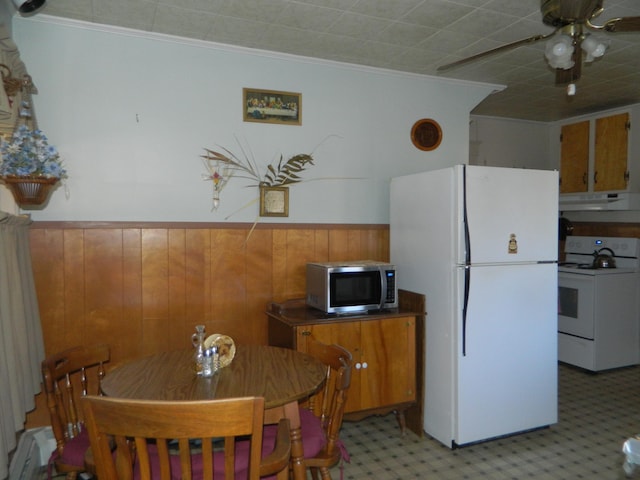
(481, 244)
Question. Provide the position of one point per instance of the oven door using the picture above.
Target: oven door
(576, 304)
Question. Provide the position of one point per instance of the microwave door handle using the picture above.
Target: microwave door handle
(383, 288)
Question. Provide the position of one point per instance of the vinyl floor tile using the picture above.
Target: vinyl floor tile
(597, 413)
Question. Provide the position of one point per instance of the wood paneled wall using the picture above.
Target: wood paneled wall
(612, 229)
(142, 288)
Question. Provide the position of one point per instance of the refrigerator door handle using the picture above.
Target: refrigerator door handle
(467, 260)
(465, 219)
(467, 282)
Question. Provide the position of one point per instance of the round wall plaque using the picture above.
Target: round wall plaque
(426, 134)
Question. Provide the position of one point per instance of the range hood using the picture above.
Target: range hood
(599, 201)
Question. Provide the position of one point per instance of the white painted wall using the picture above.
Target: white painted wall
(131, 113)
(502, 142)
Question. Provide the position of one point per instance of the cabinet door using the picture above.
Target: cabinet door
(347, 335)
(384, 359)
(574, 157)
(388, 358)
(611, 143)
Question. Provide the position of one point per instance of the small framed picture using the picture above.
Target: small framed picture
(271, 106)
(274, 201)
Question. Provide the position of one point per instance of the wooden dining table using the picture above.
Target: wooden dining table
(281, 376)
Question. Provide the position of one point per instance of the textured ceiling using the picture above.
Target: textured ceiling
(407, 35)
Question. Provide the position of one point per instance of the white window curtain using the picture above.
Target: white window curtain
(21, 342)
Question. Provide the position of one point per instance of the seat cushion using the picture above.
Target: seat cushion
(74, 450)
(241, 463)
(313, 438)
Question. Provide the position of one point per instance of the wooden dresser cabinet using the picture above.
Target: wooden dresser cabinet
(387, 349)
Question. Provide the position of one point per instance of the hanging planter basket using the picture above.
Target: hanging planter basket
(30, 191)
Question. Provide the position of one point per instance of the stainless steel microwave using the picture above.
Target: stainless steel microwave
(351, 287)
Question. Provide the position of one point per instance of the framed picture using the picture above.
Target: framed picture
(271, 106)
(274, 201)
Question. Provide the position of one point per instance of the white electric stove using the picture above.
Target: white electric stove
(599, 308)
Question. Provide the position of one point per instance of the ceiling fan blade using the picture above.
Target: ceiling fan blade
(624, 24)
(493, 51)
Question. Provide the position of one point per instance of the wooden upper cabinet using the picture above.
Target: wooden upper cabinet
(600, 165)
(574, 157)
(611, 145)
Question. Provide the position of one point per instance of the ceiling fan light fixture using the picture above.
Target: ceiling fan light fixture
(593, 48)
(559, 52)
(561, 49)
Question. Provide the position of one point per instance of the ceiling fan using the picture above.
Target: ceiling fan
(572, 20)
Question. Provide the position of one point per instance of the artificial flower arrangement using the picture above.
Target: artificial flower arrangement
(29, 166)
(28, 154)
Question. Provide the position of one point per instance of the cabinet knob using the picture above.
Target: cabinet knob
(306, 333)
(358, 366)
(365, 364)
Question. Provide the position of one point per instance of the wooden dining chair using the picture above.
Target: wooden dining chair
(67, 376)
(322, 419)
(203, 439)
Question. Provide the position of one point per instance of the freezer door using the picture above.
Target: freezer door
(507, 378)
(511, 215)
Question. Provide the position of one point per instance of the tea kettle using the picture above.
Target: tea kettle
(603, 260)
